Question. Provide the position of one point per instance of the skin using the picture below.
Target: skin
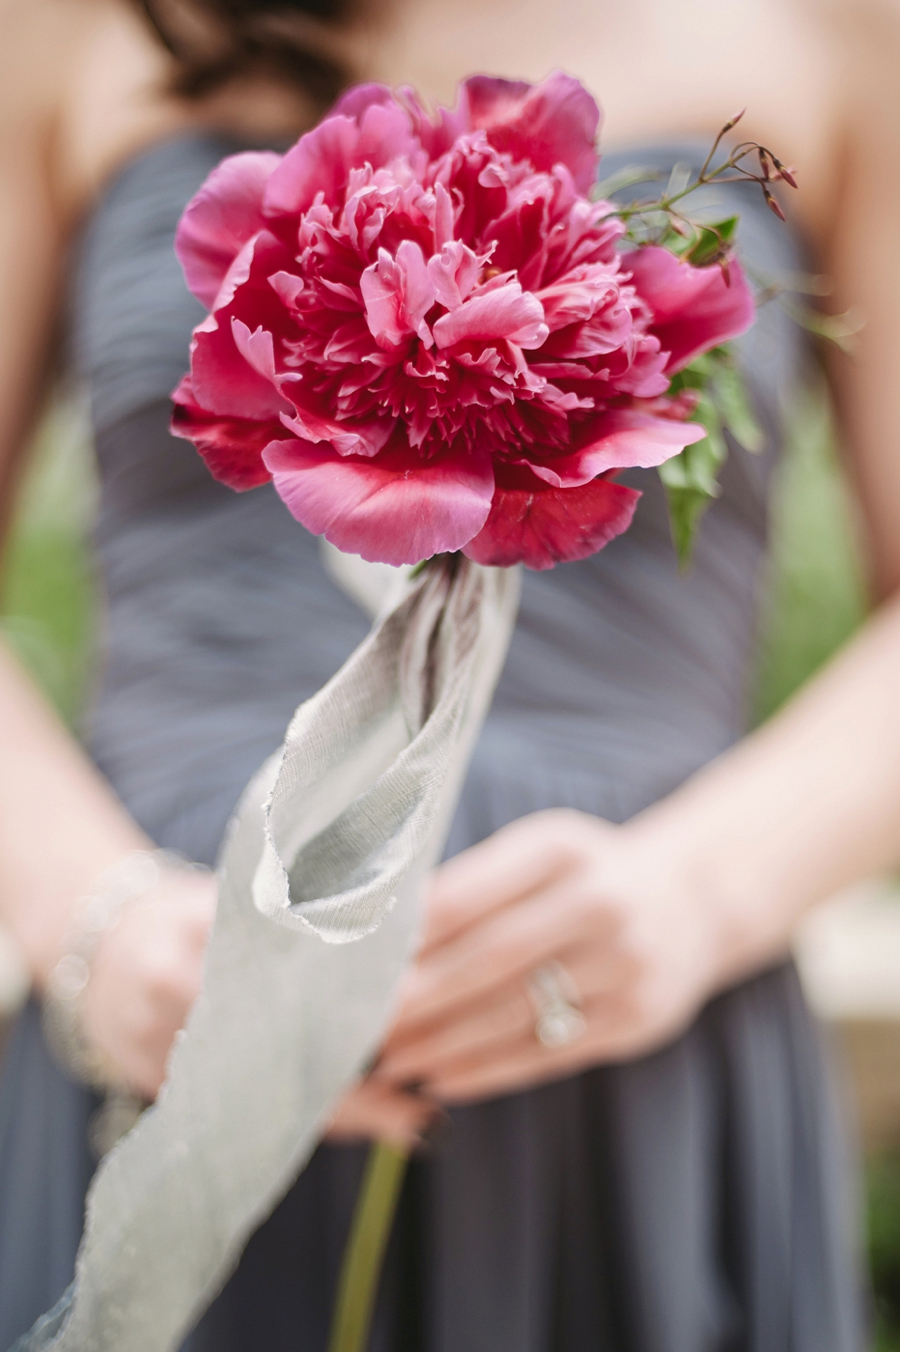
(704, 888)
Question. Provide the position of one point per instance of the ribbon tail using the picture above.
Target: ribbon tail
(319, 912)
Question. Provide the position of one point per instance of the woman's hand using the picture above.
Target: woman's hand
(639, 946)
(146, 973)
(377, 1111)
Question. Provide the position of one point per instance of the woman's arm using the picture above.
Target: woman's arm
(44, 777)
(60, 823)
(860, 246)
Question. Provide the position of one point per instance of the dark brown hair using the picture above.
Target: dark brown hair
(215, 40)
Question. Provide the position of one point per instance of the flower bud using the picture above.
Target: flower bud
(773, 204)
(732, 122)
(784, 172)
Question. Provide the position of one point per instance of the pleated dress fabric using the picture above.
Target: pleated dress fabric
(696, 1200)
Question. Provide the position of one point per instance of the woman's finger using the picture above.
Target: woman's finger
(502, 949)
(373, 1110)
(620, 1026)
(513, 863)
(527, 1061)
(485, 1026)
(482, 1031)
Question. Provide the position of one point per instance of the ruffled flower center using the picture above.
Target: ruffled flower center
(495, 341)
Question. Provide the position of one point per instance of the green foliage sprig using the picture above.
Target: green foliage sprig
(663, 220)
(691, 479)
(712, 383)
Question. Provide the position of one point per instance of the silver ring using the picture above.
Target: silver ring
(555, 999)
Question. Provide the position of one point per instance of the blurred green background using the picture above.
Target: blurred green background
(47, 594)
(814, 601)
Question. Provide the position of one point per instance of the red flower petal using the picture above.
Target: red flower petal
(321, 160)
(555, 122)
(220, 218)
(693, 308)
(436, 129)
(543, 528)
(231, 447)
(384, 508)
(505, 312)
(354, 102)
(622, 438)
(398, 293)
(223, 378)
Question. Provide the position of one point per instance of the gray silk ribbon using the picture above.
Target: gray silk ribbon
(319, 909)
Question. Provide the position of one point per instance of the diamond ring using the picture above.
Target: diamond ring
(555, 1000)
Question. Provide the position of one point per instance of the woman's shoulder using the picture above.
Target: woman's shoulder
(83, 86)
(92, 79)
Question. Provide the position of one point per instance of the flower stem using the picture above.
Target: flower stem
(364, 1255)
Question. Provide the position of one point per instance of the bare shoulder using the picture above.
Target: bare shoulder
(115, 99)
(35, 37)
(866, 95)
(95, 71)
(866, 34)
(84, 83)
(862, 20)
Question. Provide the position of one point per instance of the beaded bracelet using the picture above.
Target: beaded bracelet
(129, 879)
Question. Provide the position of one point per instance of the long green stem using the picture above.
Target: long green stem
(370, 1230)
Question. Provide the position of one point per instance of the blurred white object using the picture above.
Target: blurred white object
(14, 982)
(848, 952)
(370, 585)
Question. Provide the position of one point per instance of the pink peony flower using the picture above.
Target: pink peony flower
(427, 335)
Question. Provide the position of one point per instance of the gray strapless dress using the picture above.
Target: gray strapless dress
(691, 1201)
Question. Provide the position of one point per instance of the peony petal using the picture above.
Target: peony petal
(231, 447)
(354, 102)
(224, 381)
(555, 122)
(505, 312)
(258, 349)
(435, 130)
(454, 273)
(620, 438)
(444, 221)
(418, 288)
(398, 293)
(693, 308)
(321, 161)
(384, 509)
(310, 420)
(541, 528)
(288, 287)
(221, 218)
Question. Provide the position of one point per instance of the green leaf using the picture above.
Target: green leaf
(730, 395)
(624, 178)
(686, 509)
(693, 377)
(711, 240)
(691, 479)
